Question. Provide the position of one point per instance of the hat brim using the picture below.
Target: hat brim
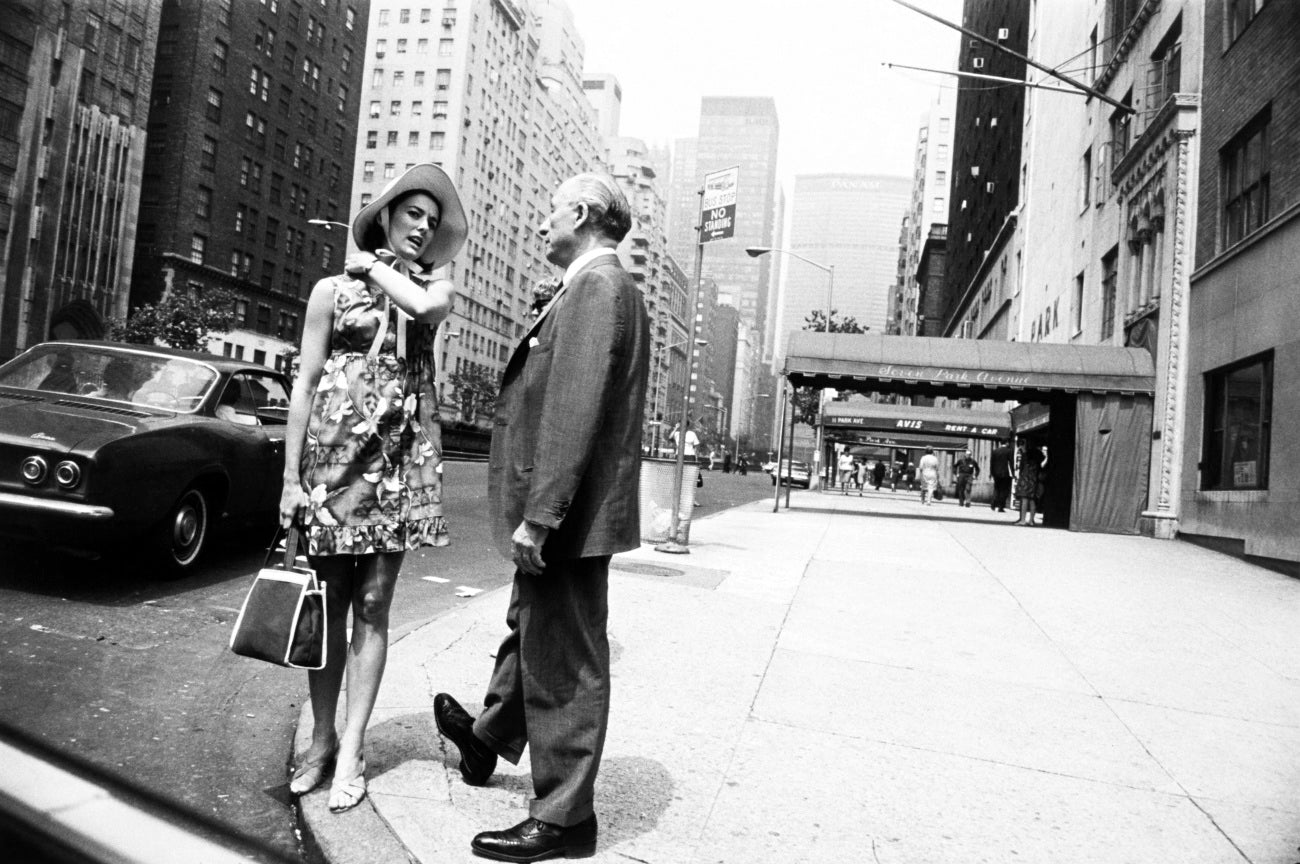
(448, 237)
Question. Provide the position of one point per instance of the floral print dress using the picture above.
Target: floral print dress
(371, 462)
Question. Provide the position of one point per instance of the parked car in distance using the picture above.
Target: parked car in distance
(107, 447)
(794, 472)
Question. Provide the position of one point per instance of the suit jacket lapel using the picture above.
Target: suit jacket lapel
(555, 301)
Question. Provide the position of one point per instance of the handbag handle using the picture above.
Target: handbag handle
(292, 538)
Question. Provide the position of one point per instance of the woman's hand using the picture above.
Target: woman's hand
(292, 502)
(358, 264)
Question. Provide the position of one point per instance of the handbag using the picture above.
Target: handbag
(283, 618)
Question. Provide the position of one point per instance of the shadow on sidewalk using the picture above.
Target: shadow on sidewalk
(927, 516)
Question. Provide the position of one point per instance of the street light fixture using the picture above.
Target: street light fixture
(327, 223)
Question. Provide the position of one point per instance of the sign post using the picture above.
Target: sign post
(717, 222)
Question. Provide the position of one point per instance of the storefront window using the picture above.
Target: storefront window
(1238, 418)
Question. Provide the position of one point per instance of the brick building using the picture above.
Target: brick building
(1239, 468)
(73, 106)
(251, 133)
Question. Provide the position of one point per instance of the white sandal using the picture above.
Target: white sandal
(346, 793)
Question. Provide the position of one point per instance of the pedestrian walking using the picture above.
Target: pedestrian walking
(861, 472)
(726, 461)
(928, 468)
(363, 448)
(1001, 470)
(562, 487)
(844, 470)
(878, 473)
(966, 469)
(742, 465)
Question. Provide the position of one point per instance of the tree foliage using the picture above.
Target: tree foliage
(475, 391)
(807, 401)
(179, 320)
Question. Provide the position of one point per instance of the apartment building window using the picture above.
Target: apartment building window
(198, 248)
(327, 255)
(401, 46)
(203, 203)
(1121, 129)
(223, 12)
(404, 16)
(392, 138)
(219, 53)
(419, 78)
(439, 109)
(1085, 180)
(343, 98)
(90, 37)
(241, 217)
(390, 170)
(268, 276)
(444, 47)
(426, 15)
(399, 78)
(241, 316)
(214, 105)
(263, 318)
(377, 77)
(1109, 287)
(374, 109)
(383, 18)
(350, 18)
(1076, 307)
(1238, 425)
(437, 140)
(417, 108)
(277, 184)
(1238, 15)
(1244, 179)
(443, 80)
(413, 139)
(381, 47)
(421, 46)
(272, 236)
(368, 172)
(1092, 55)
(1165, 76)
(208, 155)
(245, 168)
(345, 64)
(395, 108)
(372, 139)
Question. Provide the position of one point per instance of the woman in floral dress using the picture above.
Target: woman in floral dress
(363, 449)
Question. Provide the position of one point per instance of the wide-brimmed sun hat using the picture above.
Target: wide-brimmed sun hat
(369, 233)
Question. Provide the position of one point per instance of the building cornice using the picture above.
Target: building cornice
(1268, 228)
(1139, 23)
(1177, 118)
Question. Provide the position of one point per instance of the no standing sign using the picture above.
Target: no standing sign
(718, 206)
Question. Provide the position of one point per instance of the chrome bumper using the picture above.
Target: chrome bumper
(26, 503)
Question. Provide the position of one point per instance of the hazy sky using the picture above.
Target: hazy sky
(839, 108)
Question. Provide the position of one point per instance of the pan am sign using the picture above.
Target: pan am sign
(718, 206)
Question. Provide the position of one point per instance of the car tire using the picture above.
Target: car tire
(183, 535)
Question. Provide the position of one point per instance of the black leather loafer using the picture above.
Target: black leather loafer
(477, 761)
(535, 840)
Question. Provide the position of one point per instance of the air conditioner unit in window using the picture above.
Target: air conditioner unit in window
(988, 187)
(1004, 33)
(978, 62)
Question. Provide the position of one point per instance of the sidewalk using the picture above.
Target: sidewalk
(863, 679)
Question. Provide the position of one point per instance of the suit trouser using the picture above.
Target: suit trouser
(963, 487)
(550, 687)
(1001, 491)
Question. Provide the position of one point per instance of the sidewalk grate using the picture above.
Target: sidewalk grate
(645, 569)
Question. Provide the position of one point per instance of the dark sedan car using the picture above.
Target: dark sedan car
(105, 446)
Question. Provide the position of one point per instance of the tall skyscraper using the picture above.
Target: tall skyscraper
(931, 175)
(491, 90)
(251, 134)
(850, 222)
(72, 146)
(606, 96)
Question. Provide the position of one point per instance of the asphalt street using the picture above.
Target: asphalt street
(105, 662)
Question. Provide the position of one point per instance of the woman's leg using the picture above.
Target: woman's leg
(367, 653)
(336, 571)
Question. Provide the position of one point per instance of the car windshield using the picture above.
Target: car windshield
(116, 374)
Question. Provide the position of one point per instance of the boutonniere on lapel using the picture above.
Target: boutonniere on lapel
(543, 292)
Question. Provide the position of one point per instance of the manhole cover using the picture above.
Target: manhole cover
(644, 569)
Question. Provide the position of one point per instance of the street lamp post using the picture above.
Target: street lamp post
(829, 270)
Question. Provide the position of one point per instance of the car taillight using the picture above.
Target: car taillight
(34, 470)
(67, 474)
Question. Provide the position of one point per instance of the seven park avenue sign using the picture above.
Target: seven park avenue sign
(718, 206)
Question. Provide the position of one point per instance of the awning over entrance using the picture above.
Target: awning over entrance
(970, 368)
(841, 420)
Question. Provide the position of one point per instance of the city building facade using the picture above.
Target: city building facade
(73, 114)
(931, 175)
(1239, 474)
(251, 134)
(849, 222)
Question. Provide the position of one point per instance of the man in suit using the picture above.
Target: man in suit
(1000, 466)
(562, 485)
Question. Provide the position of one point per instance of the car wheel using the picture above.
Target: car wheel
(184, 533)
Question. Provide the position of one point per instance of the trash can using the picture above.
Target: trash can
(656, 497)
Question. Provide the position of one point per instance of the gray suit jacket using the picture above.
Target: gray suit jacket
(566, 436)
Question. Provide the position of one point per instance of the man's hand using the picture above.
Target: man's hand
(528, 540)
